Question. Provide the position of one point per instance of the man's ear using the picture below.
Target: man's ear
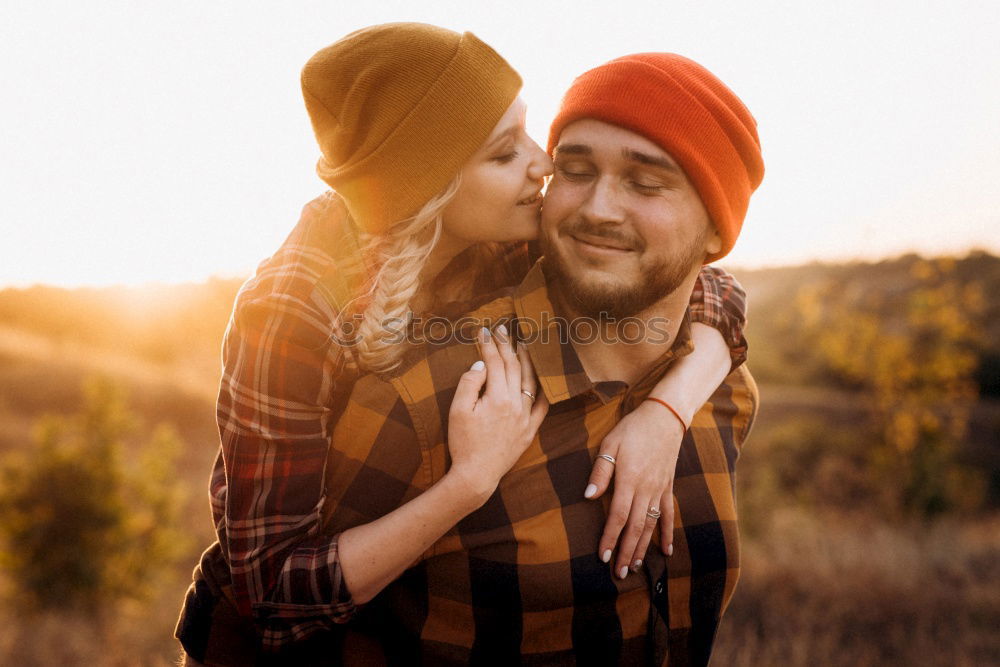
(713, 243)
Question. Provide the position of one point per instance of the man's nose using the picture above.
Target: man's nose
(603, 203)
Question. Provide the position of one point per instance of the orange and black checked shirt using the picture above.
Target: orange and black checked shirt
(519, 581)
(267, 488)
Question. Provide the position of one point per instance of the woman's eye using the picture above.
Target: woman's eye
(506, 157)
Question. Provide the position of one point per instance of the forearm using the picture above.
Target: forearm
(293, 574)
(695, 377)
(719, 301)
(374, 554)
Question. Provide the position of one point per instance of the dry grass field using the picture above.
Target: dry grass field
(828, 579)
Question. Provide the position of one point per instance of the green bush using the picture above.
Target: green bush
(82, 527)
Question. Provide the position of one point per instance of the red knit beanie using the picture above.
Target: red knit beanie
(689, 113)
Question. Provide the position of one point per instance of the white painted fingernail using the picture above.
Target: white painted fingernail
(478, 366)
(502, 329)
(486, 333)
(622, 573)
(590, 491)
(636, 565)
(670, 550)
(607, 556)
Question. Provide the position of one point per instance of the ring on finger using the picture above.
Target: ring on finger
(653, 513)
(528, 394)
(607, 457)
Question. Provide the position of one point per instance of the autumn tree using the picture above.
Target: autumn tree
(910, 347)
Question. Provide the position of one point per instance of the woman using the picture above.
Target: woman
(423, 142)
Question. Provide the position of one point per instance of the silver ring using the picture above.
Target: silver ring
(607, 457)
(653, 513)
(528, 394)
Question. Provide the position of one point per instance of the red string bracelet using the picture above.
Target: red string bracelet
(669, 407)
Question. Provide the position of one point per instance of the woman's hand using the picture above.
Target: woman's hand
(487, 434)
(645, 444)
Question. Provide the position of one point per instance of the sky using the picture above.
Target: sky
(148, 141)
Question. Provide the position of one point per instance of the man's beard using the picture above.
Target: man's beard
(597, 299)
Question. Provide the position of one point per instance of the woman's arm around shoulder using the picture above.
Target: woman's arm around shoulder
(646, 443)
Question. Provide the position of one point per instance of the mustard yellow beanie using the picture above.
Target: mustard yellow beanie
(397, 110)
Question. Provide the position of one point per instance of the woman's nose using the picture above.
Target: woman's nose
(541, 163)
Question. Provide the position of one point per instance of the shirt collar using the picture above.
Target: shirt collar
(560, 372)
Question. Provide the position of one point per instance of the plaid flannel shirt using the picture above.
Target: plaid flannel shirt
(284, 389)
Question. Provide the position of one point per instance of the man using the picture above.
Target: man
(655, 163)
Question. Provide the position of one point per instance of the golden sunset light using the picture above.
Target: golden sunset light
(167, 142)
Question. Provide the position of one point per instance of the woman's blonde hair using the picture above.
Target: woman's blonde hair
(383, 312)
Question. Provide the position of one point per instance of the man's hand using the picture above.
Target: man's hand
(645, 444)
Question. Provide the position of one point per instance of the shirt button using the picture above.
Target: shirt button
(659, 587)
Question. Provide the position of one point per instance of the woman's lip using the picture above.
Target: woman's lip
(531, 201)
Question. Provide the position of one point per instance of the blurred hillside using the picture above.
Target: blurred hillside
(160, 347)
(182, 324)
(869, 490)
(773, 316)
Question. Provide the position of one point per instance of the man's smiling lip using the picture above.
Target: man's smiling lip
(599, 244)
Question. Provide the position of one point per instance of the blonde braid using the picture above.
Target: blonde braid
(400, 254)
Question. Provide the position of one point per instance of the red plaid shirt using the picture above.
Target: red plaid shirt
(286, 382)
